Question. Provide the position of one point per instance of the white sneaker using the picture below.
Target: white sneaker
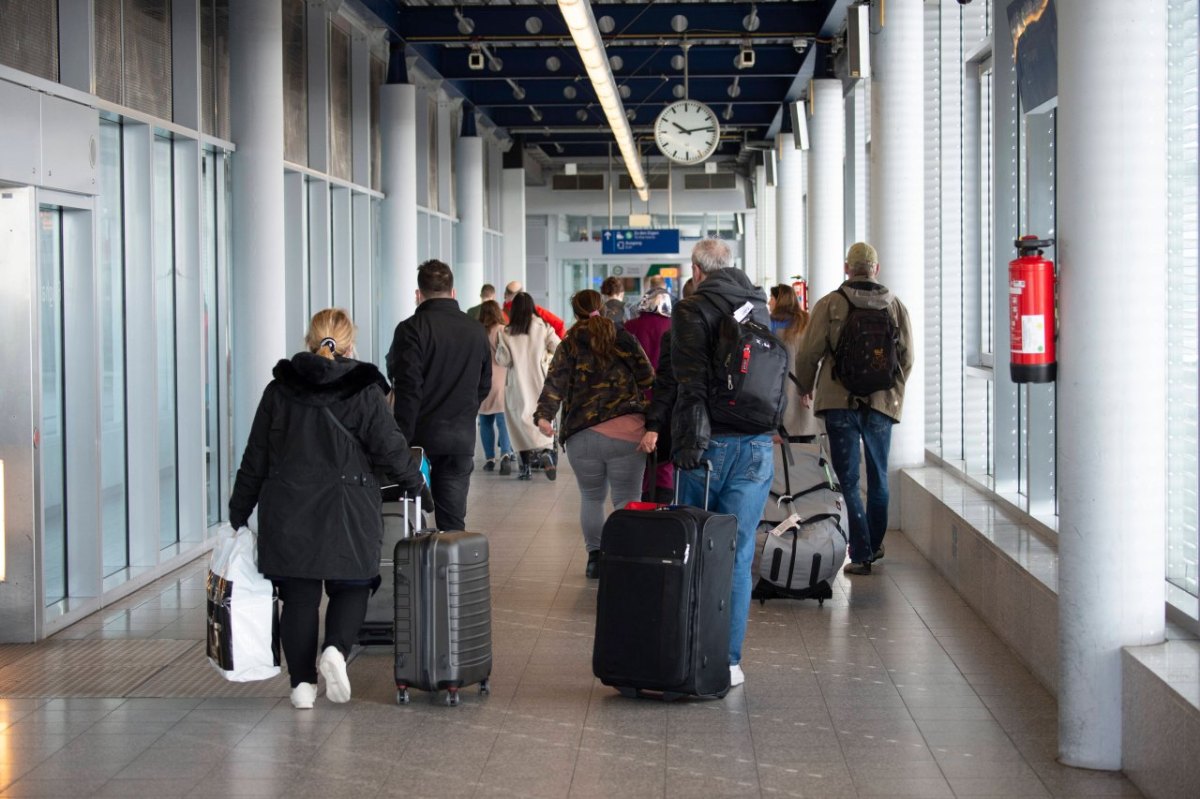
(303, 696)
(736, 676)
(332, 666)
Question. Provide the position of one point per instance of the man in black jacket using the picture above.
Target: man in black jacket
(740, 453)
(441, 370)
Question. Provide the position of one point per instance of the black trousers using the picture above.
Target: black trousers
(299, 621)
(450, 478)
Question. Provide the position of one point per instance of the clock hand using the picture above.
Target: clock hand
(682, 129)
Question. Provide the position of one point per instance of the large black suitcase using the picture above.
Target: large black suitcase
(662, 614)
(443, 612)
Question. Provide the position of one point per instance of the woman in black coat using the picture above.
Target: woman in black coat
(321, 433)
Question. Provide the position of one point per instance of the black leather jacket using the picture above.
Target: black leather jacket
(693, 340)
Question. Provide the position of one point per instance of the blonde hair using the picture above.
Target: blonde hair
(331, 326)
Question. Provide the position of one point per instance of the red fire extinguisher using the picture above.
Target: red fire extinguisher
(1031, 313)
(801, 289)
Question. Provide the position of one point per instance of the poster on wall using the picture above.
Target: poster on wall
(1034, 28)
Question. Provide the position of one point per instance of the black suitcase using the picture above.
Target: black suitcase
(662, 613)
(443, 612)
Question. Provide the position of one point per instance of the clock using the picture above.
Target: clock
(687, 132)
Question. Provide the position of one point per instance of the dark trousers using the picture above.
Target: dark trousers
(450, 478)
(846, 429)
(299, 621)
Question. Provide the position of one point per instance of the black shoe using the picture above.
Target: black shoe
(490, 465)
(857, 568)
(548, 465)
(878, 554)
(506, 464)
(592, 570)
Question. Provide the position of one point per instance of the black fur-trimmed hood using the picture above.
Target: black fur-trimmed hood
(314, 380)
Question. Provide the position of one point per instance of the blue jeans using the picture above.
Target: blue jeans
(487, 434)
(845, 429)
(743, 467)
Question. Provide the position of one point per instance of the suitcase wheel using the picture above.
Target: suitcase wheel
(452, 699)
(629, 693)
(485, 686)
(402, 697)
(821, 602)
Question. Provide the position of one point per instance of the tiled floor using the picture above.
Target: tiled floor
(894, 688)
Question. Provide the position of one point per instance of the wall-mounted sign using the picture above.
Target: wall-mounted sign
(635, 242)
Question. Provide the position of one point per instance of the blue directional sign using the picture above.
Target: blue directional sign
(639, 240)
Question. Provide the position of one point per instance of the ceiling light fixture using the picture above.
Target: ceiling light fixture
(518, 92)
(582, 24)
(728, 114)
(466, 25)
(536, 114)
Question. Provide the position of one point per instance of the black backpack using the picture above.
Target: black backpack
(750, 368)
(866, 358)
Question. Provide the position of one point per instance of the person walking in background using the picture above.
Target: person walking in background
(861, 339)
(654, 320)
(788, 321)
(486, 294)
(321, 433)
(599, 377)
(613, 290)
(441, 370)
(525, 347)
(702, 430)
(513, 289)
(491, 412)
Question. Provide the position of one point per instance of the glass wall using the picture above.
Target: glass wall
(163, 229)
(212, 353)
(52, 447)
(110, 238)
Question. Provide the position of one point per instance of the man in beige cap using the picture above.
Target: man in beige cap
(860, 337)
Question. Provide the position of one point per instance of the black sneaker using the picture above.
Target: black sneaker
(506, 464)
(490, 465)
(548, 465)
(592, 570)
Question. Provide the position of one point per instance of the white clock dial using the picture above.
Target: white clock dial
(687, 132)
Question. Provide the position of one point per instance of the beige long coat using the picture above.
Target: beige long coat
(527, 357)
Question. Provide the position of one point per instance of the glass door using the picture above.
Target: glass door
(52, 431)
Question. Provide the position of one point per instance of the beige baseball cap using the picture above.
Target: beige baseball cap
(862, 253)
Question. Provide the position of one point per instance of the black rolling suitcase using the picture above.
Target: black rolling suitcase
(662, 614)
(443, 612)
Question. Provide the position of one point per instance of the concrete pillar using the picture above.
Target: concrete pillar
(1112, 179)
(826, 188)
(398, 211)
(512, 225)
(790, 257)
(898, 200)
(257, 271)
(468, 272)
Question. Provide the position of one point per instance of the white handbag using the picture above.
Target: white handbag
(243, 626)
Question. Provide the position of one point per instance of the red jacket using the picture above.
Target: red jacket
(555, 323)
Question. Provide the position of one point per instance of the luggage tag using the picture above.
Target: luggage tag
(787, 524)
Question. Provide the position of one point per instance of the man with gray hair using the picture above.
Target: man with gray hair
(860, 337)
(704, 429)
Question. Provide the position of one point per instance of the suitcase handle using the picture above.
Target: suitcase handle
(708, 468)
(416, 528)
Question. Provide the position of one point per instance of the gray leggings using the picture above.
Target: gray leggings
(599, 462)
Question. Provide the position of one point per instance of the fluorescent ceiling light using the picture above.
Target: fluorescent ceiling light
(582, 24)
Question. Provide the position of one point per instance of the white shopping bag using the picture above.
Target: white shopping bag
(243, 627)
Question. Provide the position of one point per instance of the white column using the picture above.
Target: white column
(512, 225)
(826, 188)
(468, 272)
(790, 186)
(1112, 169)
(398, 211)
(256, 111)
(858, 190)
(898, 201)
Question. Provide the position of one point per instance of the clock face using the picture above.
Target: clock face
(687, 132)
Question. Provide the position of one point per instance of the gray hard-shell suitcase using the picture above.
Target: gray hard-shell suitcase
(443, 612)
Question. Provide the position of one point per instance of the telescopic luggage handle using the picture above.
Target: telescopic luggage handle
(708, 469)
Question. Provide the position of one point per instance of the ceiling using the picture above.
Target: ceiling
(534, 86)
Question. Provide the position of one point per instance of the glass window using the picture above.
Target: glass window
(985, 195)
(211, 322)
(295, 82)
(340, 98)
(111, 272)
(1183, 474)
(29, 37)
(163, 223)
(577, 228)
(53, 442)
(433, 201)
